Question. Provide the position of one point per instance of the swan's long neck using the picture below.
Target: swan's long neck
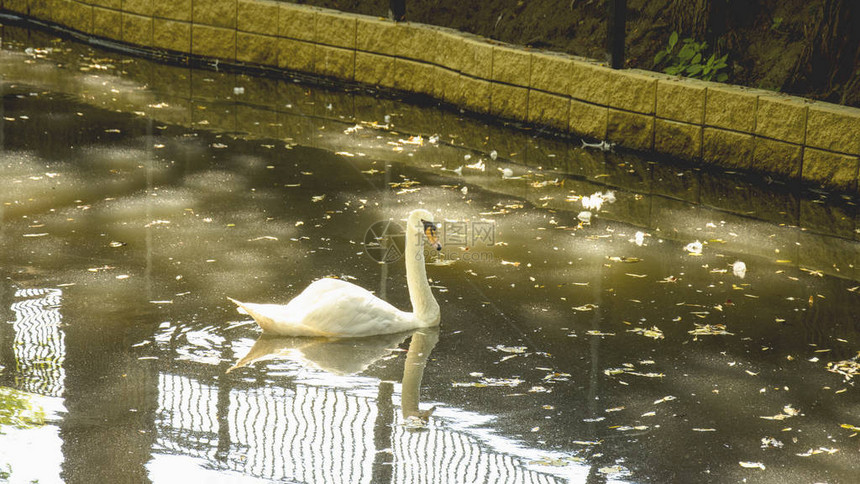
(424, 306)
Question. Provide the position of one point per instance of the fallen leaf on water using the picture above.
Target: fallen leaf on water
(612, 470)
(509, 263)
(318, 198)
(709, 329)
(654, 332)
(787, 412)
(752, 465)
(697, 429)
(629, 260)
(490, 382)
(767, 442)
(625, 428)
(812, 272)
(556, 377)
(508, 349)
(667, 398)
(594, 332)
(550, 462)
(586, 307)
(820, 450)
(847, 368)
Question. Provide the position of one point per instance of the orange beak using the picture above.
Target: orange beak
(430, 233)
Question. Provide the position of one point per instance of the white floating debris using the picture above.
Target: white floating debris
(494, 154)
(458, 170)
(602, 146)
(639, 238)
(478, 165)
(506, 172)
(694, 248)
(596, 200)
(238, 90)
(464, 190)
(584, 217)
(433, 139)
(739, 269)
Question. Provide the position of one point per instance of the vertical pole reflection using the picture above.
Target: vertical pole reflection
(383, 461)
(383, 268)
(150, 143)
(110, 396)
(222, 408)
(2, 115)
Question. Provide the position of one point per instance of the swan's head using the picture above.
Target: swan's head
(422, 221)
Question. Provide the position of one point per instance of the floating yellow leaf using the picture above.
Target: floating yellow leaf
(847, 368)
(654, 332)
(709, 329)
(594, 332)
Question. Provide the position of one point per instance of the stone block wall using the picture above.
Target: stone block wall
(707, 122)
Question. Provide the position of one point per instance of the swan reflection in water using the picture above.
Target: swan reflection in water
(348, 356)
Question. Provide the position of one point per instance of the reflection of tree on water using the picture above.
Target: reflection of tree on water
(17, 410)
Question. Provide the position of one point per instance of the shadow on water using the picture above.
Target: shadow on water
(138, 195)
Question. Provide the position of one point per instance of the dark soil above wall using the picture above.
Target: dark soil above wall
(805, 47)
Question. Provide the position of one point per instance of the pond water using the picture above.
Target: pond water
(630, 347)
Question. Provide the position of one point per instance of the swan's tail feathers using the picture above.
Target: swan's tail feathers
(241, 306)
(267, 316)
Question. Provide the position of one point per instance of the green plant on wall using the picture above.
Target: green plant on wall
(688, 59)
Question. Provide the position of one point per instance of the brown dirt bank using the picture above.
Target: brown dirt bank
(805, 47)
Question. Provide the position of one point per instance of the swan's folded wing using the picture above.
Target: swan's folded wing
(345, 309)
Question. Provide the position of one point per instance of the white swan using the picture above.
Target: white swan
(335, 308)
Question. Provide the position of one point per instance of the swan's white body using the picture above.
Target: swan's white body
(336, 308)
